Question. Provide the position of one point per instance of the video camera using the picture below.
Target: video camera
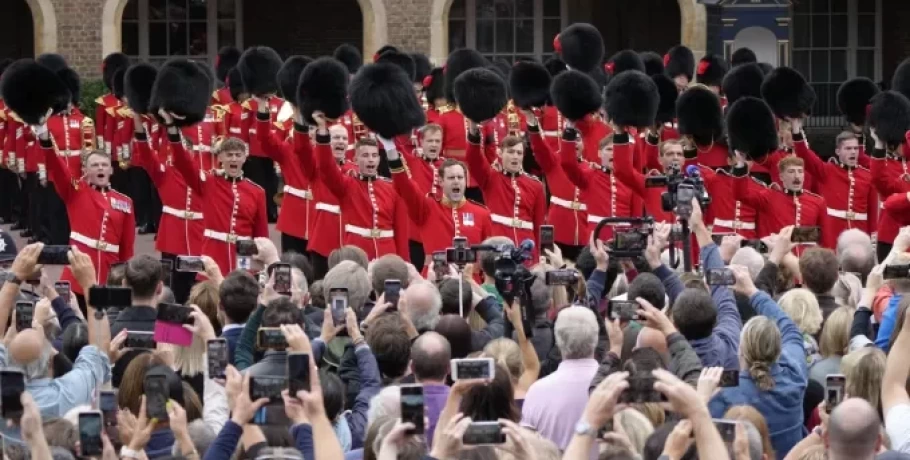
(513, 280)
(681, 188)
(630, 238)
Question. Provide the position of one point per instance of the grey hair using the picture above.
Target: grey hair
(852, 237)
(541, 294)
(749, 258)
(425, 319)
(37, 368)
(303, 284)
(348, 274)
(167, 295)
(201, 435)
(576, 332)
(386, 403)
(756, 449)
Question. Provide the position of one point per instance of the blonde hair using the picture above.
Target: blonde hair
(864, 370)
(835, 336)
(637, 427)
(760, 347)
(848, 290)
(753, 416)
(507, 355)
(801, 306)
(191, 360)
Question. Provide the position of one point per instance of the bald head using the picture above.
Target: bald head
(430, 357)
(30, 351)
(652, 338)
(853, 431)
(423, 304)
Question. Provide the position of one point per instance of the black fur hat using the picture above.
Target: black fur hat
(52, 61)
(323, 86)
(853, 98)
(111, 64)
(787, 92)
(350, 56)
(209, 71)
(504, 67)
(529, 84)
(890, 117)
(599, 75)
(654, 63)
(289, 76)
(138, 83)
(581, 46)
(434, 85)
(555, 66)
(700, 116)
(480, 94)
(459, 61)
(751, 128)
(666, 89)
(383, 98)
(29, 89)
(384, 49)
(743, 56)
(711, 70)
(743, 80)
(117, 82)
(622, 61)
(422, 66)
(183, 88)
(765, 67)
(900, 82)
(73, 83)
(259, 68)
(227, 59)
(632, 99)
(679, 61)
(402, 60)
(575, 94)
(234, 83)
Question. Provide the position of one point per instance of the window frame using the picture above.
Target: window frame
(470, 28)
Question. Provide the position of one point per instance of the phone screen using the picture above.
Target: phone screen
(440, 266)
(90, 434)
(834, 390)
(624, 310)
(720, 277)
(727, 430)
(140, 340)
(54, 255)
(339, 299)
(12, 385)
(729, 378)
(217, 351)
(63, 290)
(174, 313)
(156, 395)
(805, 235)
(247, 248)
(190, 264)
(282, 279)
(546, 237)
(412, 407)
(108, 406)
(298, 373)
(271, 338)
(267, 387)
(104, 297)
(472, 368)
(562, 277)
(482, 433)
(392, 293)
(25, 312)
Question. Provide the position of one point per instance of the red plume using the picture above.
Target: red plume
(557, 46)
(427, 81)
(702, 67)
(869, 110)
(610, 67)
(666, 59)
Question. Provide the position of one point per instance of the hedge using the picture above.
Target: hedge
(91, 90)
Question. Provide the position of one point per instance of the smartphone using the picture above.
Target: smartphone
(339, 304)
(624, 310)
(392, 293)
(90, 425)
(834, 390)
(190, 264)
(108, 406)
(729, 378)
(440, 265)
(896, 271)
(64, 290)
(805, 234)
(641, 390)
(298, 373)
(157, 394)
(102, 297)
(758, 245)
(282, 274)
(174, 313)
(718, 238)
(727, 429)
(720, 277)
(412, 407)
(54, 255)
(271, 338)
(483, 433)
(12, 385)
(546, 238)
(473, 368)
(140, 340)
(25, 312)
(267, 386)
(217, 357)
(460, 253)
(562, 277)
(167, 271)
(247, 248)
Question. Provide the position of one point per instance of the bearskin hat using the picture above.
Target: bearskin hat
(234, 83)
(434, 85)
(787, 92)
(765, 67)
(4, 63)
(117, 82)
(632, 99)
(350, 56)
(480, 94)
(711, 70)
(743, 80)
(422, 66)
(654, 63)
(209, 71)
(679, 61)
(52, 61)
(699, 115)
(459, 61)
(581, 46)
(529, 84)
(30, 89)
(138, 83)
(73, 83)
(402, 60)
(666, 89)
(382, 96)
(289, 76)
(751, 128)
(504, 67)
(555, 66)
(599, 75)
(890, 117)
(182, 88)
(383, 50)
(112, 63)
(853, 98)
(622, 61)
(259, 67)
(227, 59)
(323, 86)
(743, 56)
(575, 94)
(900, 82)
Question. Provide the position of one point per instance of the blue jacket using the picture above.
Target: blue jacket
(889, 317)
(782, 405)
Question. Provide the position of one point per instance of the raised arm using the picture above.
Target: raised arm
(336, 181)
(145, 158)
(625, 170)
(184, 162)
(568, 159)
(275, 148)
(748, 191)
(478, 166)
(57, 170)
(545, 157)
(886, 180)
(417, 204)
(304, 151)
(814, 165)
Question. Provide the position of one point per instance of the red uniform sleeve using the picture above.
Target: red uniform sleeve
(651, 154)
(185, 164)
(863, 159)
(401, 229)
(304, 151)
(746, 190)
(886, 181)
(100, 125)
(9, 144)
(540, 211)
(272, 145)
(336, 181)
(490, 148)
(814, 165)
(872, 222)
(148, 161)
(478, 166)
(626, 172)
(261, 225)
(128, 236)
(487, 228)
(569, 163)
(57, 170)
(898, 203)
(417, 204)
(545, 157)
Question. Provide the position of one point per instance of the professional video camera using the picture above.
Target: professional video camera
(630, 235)
(680, 190)
(513, 280)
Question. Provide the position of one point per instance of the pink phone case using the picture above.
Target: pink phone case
(173, 333)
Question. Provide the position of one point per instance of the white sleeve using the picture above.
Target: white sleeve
(215, 410)
(897, 425)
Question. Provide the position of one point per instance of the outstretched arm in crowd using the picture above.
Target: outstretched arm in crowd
(862, 317)
(895, 401)
(659, 240)
(478, 165)
(24, 266)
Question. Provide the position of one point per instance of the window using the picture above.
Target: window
(833, 41)
(156, 30)
(506, 29)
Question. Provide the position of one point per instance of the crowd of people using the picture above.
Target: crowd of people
(641, 259)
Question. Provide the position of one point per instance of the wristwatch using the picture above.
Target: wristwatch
(583, 428)
(13, 280)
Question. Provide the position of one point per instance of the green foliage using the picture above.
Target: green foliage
(91, 90)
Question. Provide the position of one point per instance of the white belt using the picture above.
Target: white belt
(847, 215)
(202, 148)
(70, 153)
(512, 222)
(597, 219)
(332, 208)
(252, 131)
(739, 225)
(573, 205)
(299, 193)
(226, 237)
(235, 130)
(549, 133)
(350, 147)
(95, 244)
(369, 232)
(181, 214)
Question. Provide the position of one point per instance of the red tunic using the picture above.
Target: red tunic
(221, 96)
(778, 209)
(105, 125)
(592, 130)
(891, 177)
(551, 124)
(202, 136)
(630, 177)
(248, 123)
(567, 213)
(423, 173)
(66, 132)
(296, 217)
